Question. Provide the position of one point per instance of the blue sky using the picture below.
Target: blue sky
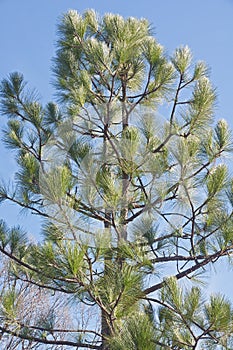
(28, 36)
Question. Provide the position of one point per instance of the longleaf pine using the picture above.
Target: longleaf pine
(128, 172)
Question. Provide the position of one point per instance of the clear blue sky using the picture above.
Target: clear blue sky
(28, 36)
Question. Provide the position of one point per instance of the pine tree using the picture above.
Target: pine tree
(127, 173)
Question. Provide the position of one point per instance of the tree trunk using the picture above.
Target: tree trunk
(105, 328)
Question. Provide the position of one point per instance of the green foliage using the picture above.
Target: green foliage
(135, 333)
(223, 136)
(14, 135)
(3, 234)
(200, 70)
(56, 183)
(182, 59)
(74, 259)
(182, 313)
(121, 297)
(219, 313)
(131, 201)
(11, 90)
(216, 179)
(14, 240)
(106, 182)
(202, 105)
(9, 305)
(29, 173)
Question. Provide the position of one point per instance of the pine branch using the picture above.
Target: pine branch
(197, 266)
(47, 341)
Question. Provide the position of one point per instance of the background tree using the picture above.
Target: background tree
(131, 203)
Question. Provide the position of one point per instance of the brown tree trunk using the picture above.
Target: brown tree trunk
(105, 330)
